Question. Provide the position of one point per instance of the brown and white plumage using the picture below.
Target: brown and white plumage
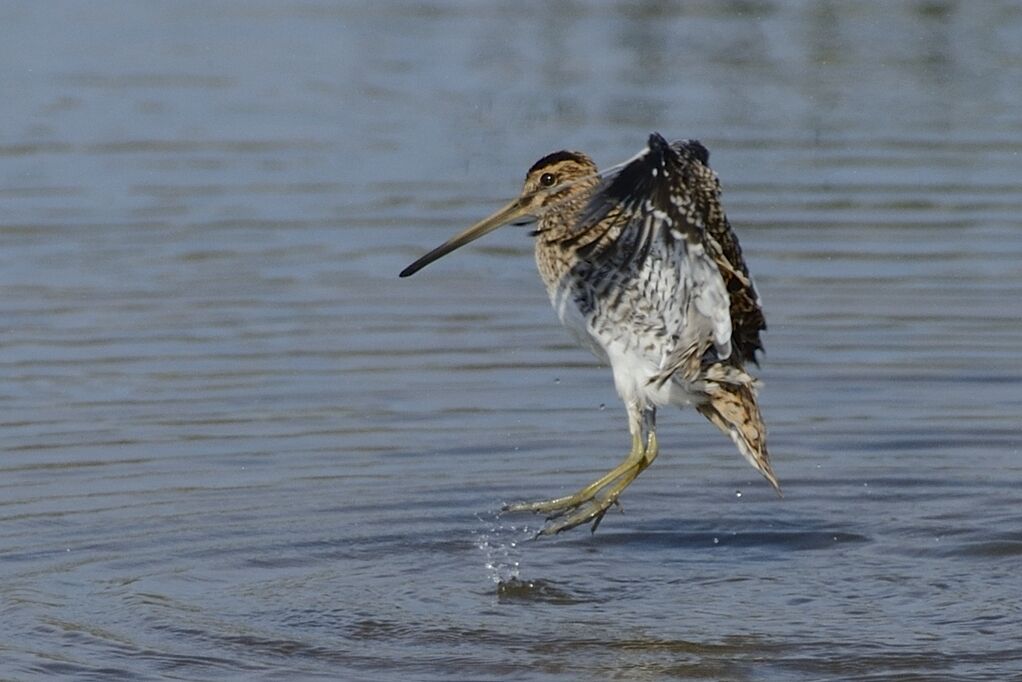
(644, 269)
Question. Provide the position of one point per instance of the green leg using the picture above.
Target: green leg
(592, 502)
(596, 507)
(560, 505)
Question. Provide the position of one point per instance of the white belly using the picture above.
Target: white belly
(635, 359)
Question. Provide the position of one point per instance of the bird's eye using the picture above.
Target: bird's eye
(547, 179)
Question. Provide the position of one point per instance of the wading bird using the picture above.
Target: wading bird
(643, 268)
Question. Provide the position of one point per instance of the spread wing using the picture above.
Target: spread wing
(747, 318)
(660, 215)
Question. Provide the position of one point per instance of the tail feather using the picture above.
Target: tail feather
(732, 408)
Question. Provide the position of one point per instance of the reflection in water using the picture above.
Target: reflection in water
(537, 591)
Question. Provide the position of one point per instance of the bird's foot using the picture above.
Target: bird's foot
(564, 513)
(593, 501)
(592, 511)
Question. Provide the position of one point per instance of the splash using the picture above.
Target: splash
(501, 544)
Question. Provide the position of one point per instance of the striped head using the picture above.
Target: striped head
(556, 186)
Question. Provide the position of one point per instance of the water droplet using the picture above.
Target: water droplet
(557, 380)
(501, 546)
(738, 493)
(603, 406)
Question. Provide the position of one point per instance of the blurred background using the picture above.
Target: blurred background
(235, 445)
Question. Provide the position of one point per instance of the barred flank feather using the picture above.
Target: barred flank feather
(732, 409)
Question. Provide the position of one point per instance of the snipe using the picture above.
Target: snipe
(644, 270)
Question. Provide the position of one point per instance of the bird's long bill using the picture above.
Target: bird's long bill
(513, 211)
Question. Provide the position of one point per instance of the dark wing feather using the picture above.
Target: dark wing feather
(673, 179)
(611, 226)
(747, 318)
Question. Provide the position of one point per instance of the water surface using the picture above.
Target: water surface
(236, 445)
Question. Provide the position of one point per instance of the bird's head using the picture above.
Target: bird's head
(554, 183)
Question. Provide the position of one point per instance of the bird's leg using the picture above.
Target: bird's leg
(597, 506)
(563, 504)
(592, 502)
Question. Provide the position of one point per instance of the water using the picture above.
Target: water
(236, 446)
